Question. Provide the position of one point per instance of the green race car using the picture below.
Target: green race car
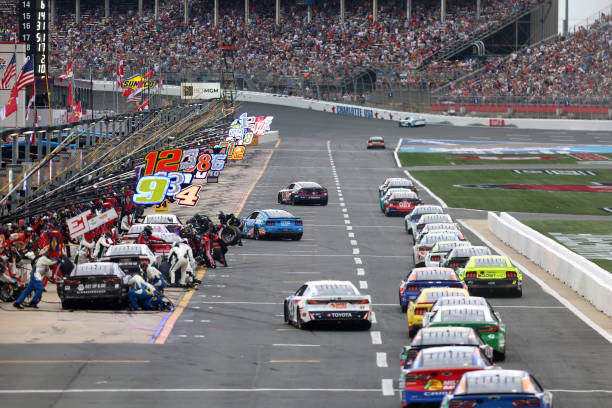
(492, 273)
(481, 318)
(387, 195)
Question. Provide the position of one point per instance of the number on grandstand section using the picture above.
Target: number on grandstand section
(162, 207)
(218, 162)
(238, 153)
(248, 138)
(188, 196)
(201, 175)
(166, 160)
(204, 162)
(151, 190)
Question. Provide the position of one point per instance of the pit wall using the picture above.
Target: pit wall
(586, 278)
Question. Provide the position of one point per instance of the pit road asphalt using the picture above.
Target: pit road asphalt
(230, 347)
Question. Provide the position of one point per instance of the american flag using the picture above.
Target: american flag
(26, 76)
(9, 73)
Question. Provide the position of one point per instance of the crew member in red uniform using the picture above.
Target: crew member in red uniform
(146, 236)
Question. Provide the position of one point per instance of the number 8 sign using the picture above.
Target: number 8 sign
(151, 190)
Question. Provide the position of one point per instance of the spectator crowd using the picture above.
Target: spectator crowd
(325, 50)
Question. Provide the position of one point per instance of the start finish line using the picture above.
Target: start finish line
(588, 245)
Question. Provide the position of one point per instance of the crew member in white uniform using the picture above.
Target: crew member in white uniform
(84, 252)
(179, 258)
(103, 243)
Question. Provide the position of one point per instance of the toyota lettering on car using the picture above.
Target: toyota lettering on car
(328, 301)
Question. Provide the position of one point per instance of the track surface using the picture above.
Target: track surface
(230, 347)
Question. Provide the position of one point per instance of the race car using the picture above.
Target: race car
(422, 247)
(162, 249)
(171, 221)
(435, 372)
(421, 278)
(459, 256)
(439, 337)
(425, 219)
(457, 301)
(492, 273)
(136, 229)
(376, 142)
(489, 326)
(441, 249)
(438, 227)
(129, 256)
(395, 182)
(303, 192)
(272, 223)
(400, 202)
(390, 191)
(412, 121)
(498, 389)
(93, 283)
(412, 219)
(328, 301)
(423, 303)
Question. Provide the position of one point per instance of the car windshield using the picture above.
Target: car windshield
(160, 219)
(124, 250)
(309, 184)
(463, 314)
(376, 139)
(433, 238)
(496, 262)
(448, 357)
(335, 289)
(433, 275)
(498, 383)
(278, 214)
(97, 268)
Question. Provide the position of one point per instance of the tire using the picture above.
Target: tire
(299, 322)
(286, 313)
(517, 293)
(366, 325)
(6, 292)
(291, 201)
(230, 235)
(256, 235)
(412, 332)
(404, 308)
(324, 202)
(499, 356)
(280, 200)
(296, 237)
(66, 304)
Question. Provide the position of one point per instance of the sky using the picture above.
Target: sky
(579, 10)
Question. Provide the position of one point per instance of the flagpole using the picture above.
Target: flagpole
(48, 95)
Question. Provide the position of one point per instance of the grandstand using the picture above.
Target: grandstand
(409, 54)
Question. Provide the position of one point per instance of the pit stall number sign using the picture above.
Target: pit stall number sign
(170, 173)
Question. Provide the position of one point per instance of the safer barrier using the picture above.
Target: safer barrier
(385, 114)
(586, 278)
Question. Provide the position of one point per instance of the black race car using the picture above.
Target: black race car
(303, 192)
(96, 282)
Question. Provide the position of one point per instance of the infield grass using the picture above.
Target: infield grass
(444, 159)
(575, 227)
(443, 183)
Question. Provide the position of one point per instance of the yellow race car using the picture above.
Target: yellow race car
(492, 273)
(423, 303)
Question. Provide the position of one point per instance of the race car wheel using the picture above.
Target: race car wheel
(324, 202)
(300, 322)
(518, 292)
(498, 355)
(404, 308)
(286, 313)
(6, 292)
(366, 325)
(66, 304)
(256, 232)
(412, 331)
(280, 200)
(296, 237)
(230, 235)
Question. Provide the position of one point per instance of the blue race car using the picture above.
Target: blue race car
(272, 223)
(498, 389)
(421, 278)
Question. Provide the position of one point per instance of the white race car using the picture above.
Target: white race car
(411, 220)
(171, 221)
(412, 121)
(135, 230)
(327, 301)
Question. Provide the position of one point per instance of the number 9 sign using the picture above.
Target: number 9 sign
(151, 190)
